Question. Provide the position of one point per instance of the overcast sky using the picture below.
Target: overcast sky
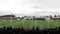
(29, 7)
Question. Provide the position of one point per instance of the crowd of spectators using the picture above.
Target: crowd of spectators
(10, 30)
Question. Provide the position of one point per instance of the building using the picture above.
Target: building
(8, 17)
(27, 18)
(32, 18)
(55, 19)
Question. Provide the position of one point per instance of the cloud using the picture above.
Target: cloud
(24, 7)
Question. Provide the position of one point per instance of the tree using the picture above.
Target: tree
(22, 17)
(25, 16)
(50, 16)
(55, 16)
(33, 17)
(58, 15)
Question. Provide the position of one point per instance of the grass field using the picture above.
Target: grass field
(30, 24)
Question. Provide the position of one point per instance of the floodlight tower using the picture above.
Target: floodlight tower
(11, 19)
(35, 7)
(58, 13)
(22, 16)
(58, 16)
(48, 22)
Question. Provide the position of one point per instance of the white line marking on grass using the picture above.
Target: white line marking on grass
(35, 24)
(23, 23)
(48, 24)
(31, 25)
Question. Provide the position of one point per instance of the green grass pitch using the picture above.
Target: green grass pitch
(29, 24)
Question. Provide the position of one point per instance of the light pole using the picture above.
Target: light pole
(48, 19)
(35, 7)
(23, 17)
(48, 24)
(23, 21)
(11, 19)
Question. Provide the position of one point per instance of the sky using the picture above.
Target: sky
(29, 7)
